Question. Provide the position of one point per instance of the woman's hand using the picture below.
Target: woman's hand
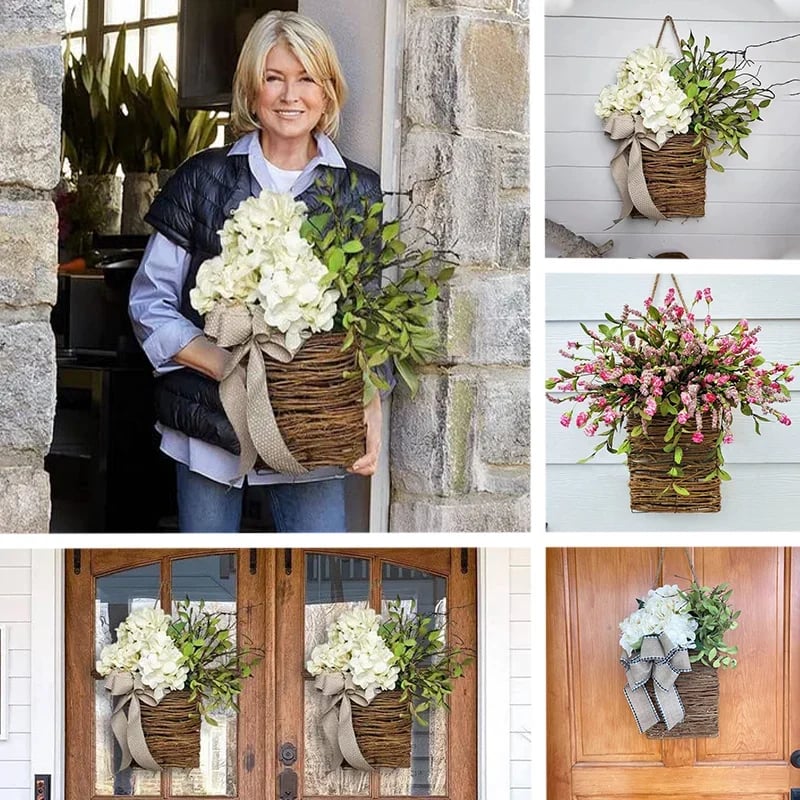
(203, 355)
(373, 417)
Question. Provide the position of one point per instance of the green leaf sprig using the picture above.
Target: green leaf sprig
(715, 617)
(385, 318)
(217, 664)
(427, 664)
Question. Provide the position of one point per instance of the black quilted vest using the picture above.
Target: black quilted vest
(189, 211)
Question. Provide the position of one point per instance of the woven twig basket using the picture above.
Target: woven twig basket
(319, 413)
(699, 692)
(383, 731)
(172, 731)
(676, 177)
(650, 485)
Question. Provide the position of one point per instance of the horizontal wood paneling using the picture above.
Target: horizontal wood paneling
(16, 748)
(14, 580)
(15, 609)
(761, 497)
(519, 663)
(751, 210)
(15, 558)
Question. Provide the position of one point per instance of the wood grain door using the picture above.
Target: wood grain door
(283, 600)
(594, 747)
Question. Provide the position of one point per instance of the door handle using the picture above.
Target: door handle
(794, 759)
(287, 778)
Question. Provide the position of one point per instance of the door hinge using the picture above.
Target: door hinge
(287, 560)
(464, 561)
(253, 560)
(76, 562)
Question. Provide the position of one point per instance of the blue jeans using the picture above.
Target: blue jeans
(205, 506)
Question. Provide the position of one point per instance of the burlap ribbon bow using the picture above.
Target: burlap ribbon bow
(663, 661)
(128, 728)
(246, 401)
(626, 165)
(337, 725)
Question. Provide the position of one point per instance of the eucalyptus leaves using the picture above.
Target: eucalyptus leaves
(715, 617)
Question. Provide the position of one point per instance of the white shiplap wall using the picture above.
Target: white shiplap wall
(765, 469)
(15, 614)
(520, 671)
(752, 209)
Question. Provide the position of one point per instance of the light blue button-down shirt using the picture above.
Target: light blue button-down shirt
(162, 330)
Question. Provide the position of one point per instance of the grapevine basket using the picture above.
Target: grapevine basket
(699, 693)
(676, 177)
(383, 731)
(648, 466)
(172, 731)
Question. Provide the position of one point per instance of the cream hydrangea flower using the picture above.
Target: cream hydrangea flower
(664, 611)
(355, 646)
(644, 86)
(266, 264)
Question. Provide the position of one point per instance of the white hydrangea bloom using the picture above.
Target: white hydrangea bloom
(355, 646)
(265, 263)
(664, 611)
(644, 86)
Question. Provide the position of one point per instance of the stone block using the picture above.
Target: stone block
(23, 16)
(454, 180)
(432, 436)
(514, 480)
(489, 319)
(28, 394)
(503, 417)
(28, 252)
(483, 5)
(514, 244)
(24, 500)
(515, 167)
(522, 8)
(477, 512)
(30, 84)
(493, 76)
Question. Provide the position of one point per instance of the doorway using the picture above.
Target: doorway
(283, 600)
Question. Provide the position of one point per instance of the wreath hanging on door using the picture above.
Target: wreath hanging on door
(674, 645)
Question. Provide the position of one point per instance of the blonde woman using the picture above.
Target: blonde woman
(287, 94)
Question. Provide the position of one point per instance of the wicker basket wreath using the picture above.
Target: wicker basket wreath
(699, 692)
(383, 731)
(172, 731)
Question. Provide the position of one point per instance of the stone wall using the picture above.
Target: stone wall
(30, 126)
(460, 452)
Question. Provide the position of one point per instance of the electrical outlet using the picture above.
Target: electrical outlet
(41, 787)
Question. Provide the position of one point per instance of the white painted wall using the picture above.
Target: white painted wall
(765, 469)
(519, 653)
(752, 209)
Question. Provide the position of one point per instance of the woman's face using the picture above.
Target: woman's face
(290, 102)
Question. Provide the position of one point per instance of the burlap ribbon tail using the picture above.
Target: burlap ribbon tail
(337, 724)
(626, 165)
(660, 659)
(130, 692)
(245, 395)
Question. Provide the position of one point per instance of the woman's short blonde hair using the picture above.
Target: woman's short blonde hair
(313, 48)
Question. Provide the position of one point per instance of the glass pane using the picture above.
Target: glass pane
(161, 39)
(75, 15)
(119, 11)
(116, 596)
(428, 772)
(160, 8)
(77, 46)
(131, 47)
(333, 584)
(213, 580)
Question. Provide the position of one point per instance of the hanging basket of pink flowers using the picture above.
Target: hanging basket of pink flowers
(669, 380)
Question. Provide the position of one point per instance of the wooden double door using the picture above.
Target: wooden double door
(283, 600)
(594, 747)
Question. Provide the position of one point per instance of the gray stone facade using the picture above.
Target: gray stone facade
(460, 450)
(30, 125)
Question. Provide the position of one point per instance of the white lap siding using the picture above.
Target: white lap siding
(752, 208)
(520, 670)
(15, 615)
(765, 469)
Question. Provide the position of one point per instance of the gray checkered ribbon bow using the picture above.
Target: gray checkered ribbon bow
(662, 661)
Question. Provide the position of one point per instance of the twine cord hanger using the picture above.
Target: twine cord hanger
(661, 564)
(668, 19)
(674, 283)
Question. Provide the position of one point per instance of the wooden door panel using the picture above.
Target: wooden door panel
(594, 747)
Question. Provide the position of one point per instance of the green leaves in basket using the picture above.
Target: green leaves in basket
(216, 663)
(715, 617)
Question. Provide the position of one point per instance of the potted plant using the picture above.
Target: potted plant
(166, 674)
(90, 120)
(672, 116)
(382, 675)
(669, 381)
(310, 289)
(676, 638)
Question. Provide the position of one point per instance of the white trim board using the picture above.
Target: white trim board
(3, 682)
